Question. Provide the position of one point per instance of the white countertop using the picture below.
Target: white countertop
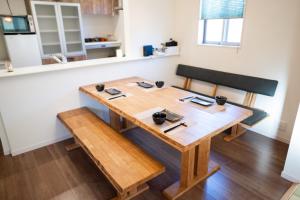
(101, 45)
(73, 65)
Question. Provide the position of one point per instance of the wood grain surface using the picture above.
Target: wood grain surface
(203, 121)
(123, 163)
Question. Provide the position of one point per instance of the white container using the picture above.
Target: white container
(172, 50)
(119, 53)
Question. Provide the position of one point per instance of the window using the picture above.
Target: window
(221, 22)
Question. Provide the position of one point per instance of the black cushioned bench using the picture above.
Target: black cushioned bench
(252, 86)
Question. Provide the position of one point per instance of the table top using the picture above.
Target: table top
(140, 103)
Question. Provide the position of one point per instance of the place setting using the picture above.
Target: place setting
(165, 120)
(218, 103)
(148, 86)
(110, 93)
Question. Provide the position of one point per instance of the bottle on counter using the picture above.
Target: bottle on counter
(8, 66)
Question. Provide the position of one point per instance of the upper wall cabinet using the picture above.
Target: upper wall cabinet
(98, 7)
(17, 7)
(59, 28)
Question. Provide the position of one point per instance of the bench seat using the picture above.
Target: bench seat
(257, 116)
(124, 164)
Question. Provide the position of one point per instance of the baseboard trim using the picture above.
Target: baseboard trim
(6, 153)
(289, 178)
(39, 145)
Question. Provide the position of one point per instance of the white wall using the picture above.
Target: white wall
(293, 93)
(29, 104)
(292, 164)
(98, 25)
(267, 45)
(150, 23)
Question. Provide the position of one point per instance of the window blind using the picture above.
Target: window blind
(222, 9)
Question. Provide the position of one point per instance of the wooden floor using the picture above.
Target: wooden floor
(251, 167)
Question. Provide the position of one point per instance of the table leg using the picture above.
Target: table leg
(236, 131)
(195, 167)
(115, 120)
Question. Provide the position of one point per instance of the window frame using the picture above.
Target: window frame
(225, 30)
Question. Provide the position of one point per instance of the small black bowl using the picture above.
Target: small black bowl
(159, 84)
(221, 100)
(100, 87)
(159, 118)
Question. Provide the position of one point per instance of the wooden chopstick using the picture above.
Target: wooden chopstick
(172, 128)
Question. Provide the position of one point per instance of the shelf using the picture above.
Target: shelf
(48, 31)
(46, 16)
(70, 17)
(74, 42)
(72, 30)
(102, 45)
(51, 44)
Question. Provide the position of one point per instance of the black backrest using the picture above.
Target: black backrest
(246, 83)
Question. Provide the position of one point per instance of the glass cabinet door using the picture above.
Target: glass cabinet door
(46, 18)
(71, 25)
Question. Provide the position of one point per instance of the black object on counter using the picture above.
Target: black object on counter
(171, 43)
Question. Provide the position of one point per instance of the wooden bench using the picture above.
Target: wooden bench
(125, 165)
(251, 85)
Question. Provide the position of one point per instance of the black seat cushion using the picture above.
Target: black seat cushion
(257, 116)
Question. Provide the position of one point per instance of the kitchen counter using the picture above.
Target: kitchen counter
(102, 45)
(78, 64)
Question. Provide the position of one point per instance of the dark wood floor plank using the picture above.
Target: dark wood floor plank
(250, 169)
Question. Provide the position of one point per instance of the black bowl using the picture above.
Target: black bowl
(159, 84)
(100, 87)
(159, 118)
(221, 100)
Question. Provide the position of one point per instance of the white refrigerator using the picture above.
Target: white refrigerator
(23, 50)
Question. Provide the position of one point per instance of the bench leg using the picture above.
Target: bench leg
(132, 192)
(195, 167)
(236, 131)
(73, 146)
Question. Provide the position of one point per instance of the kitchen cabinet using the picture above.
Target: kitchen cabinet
(98, 7)
(59, 28)
(17, 7)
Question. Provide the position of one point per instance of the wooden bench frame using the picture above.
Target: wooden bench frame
(122, 194)
(249, 100)
(126, 194)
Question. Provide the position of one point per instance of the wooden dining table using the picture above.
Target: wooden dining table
(136, 106)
